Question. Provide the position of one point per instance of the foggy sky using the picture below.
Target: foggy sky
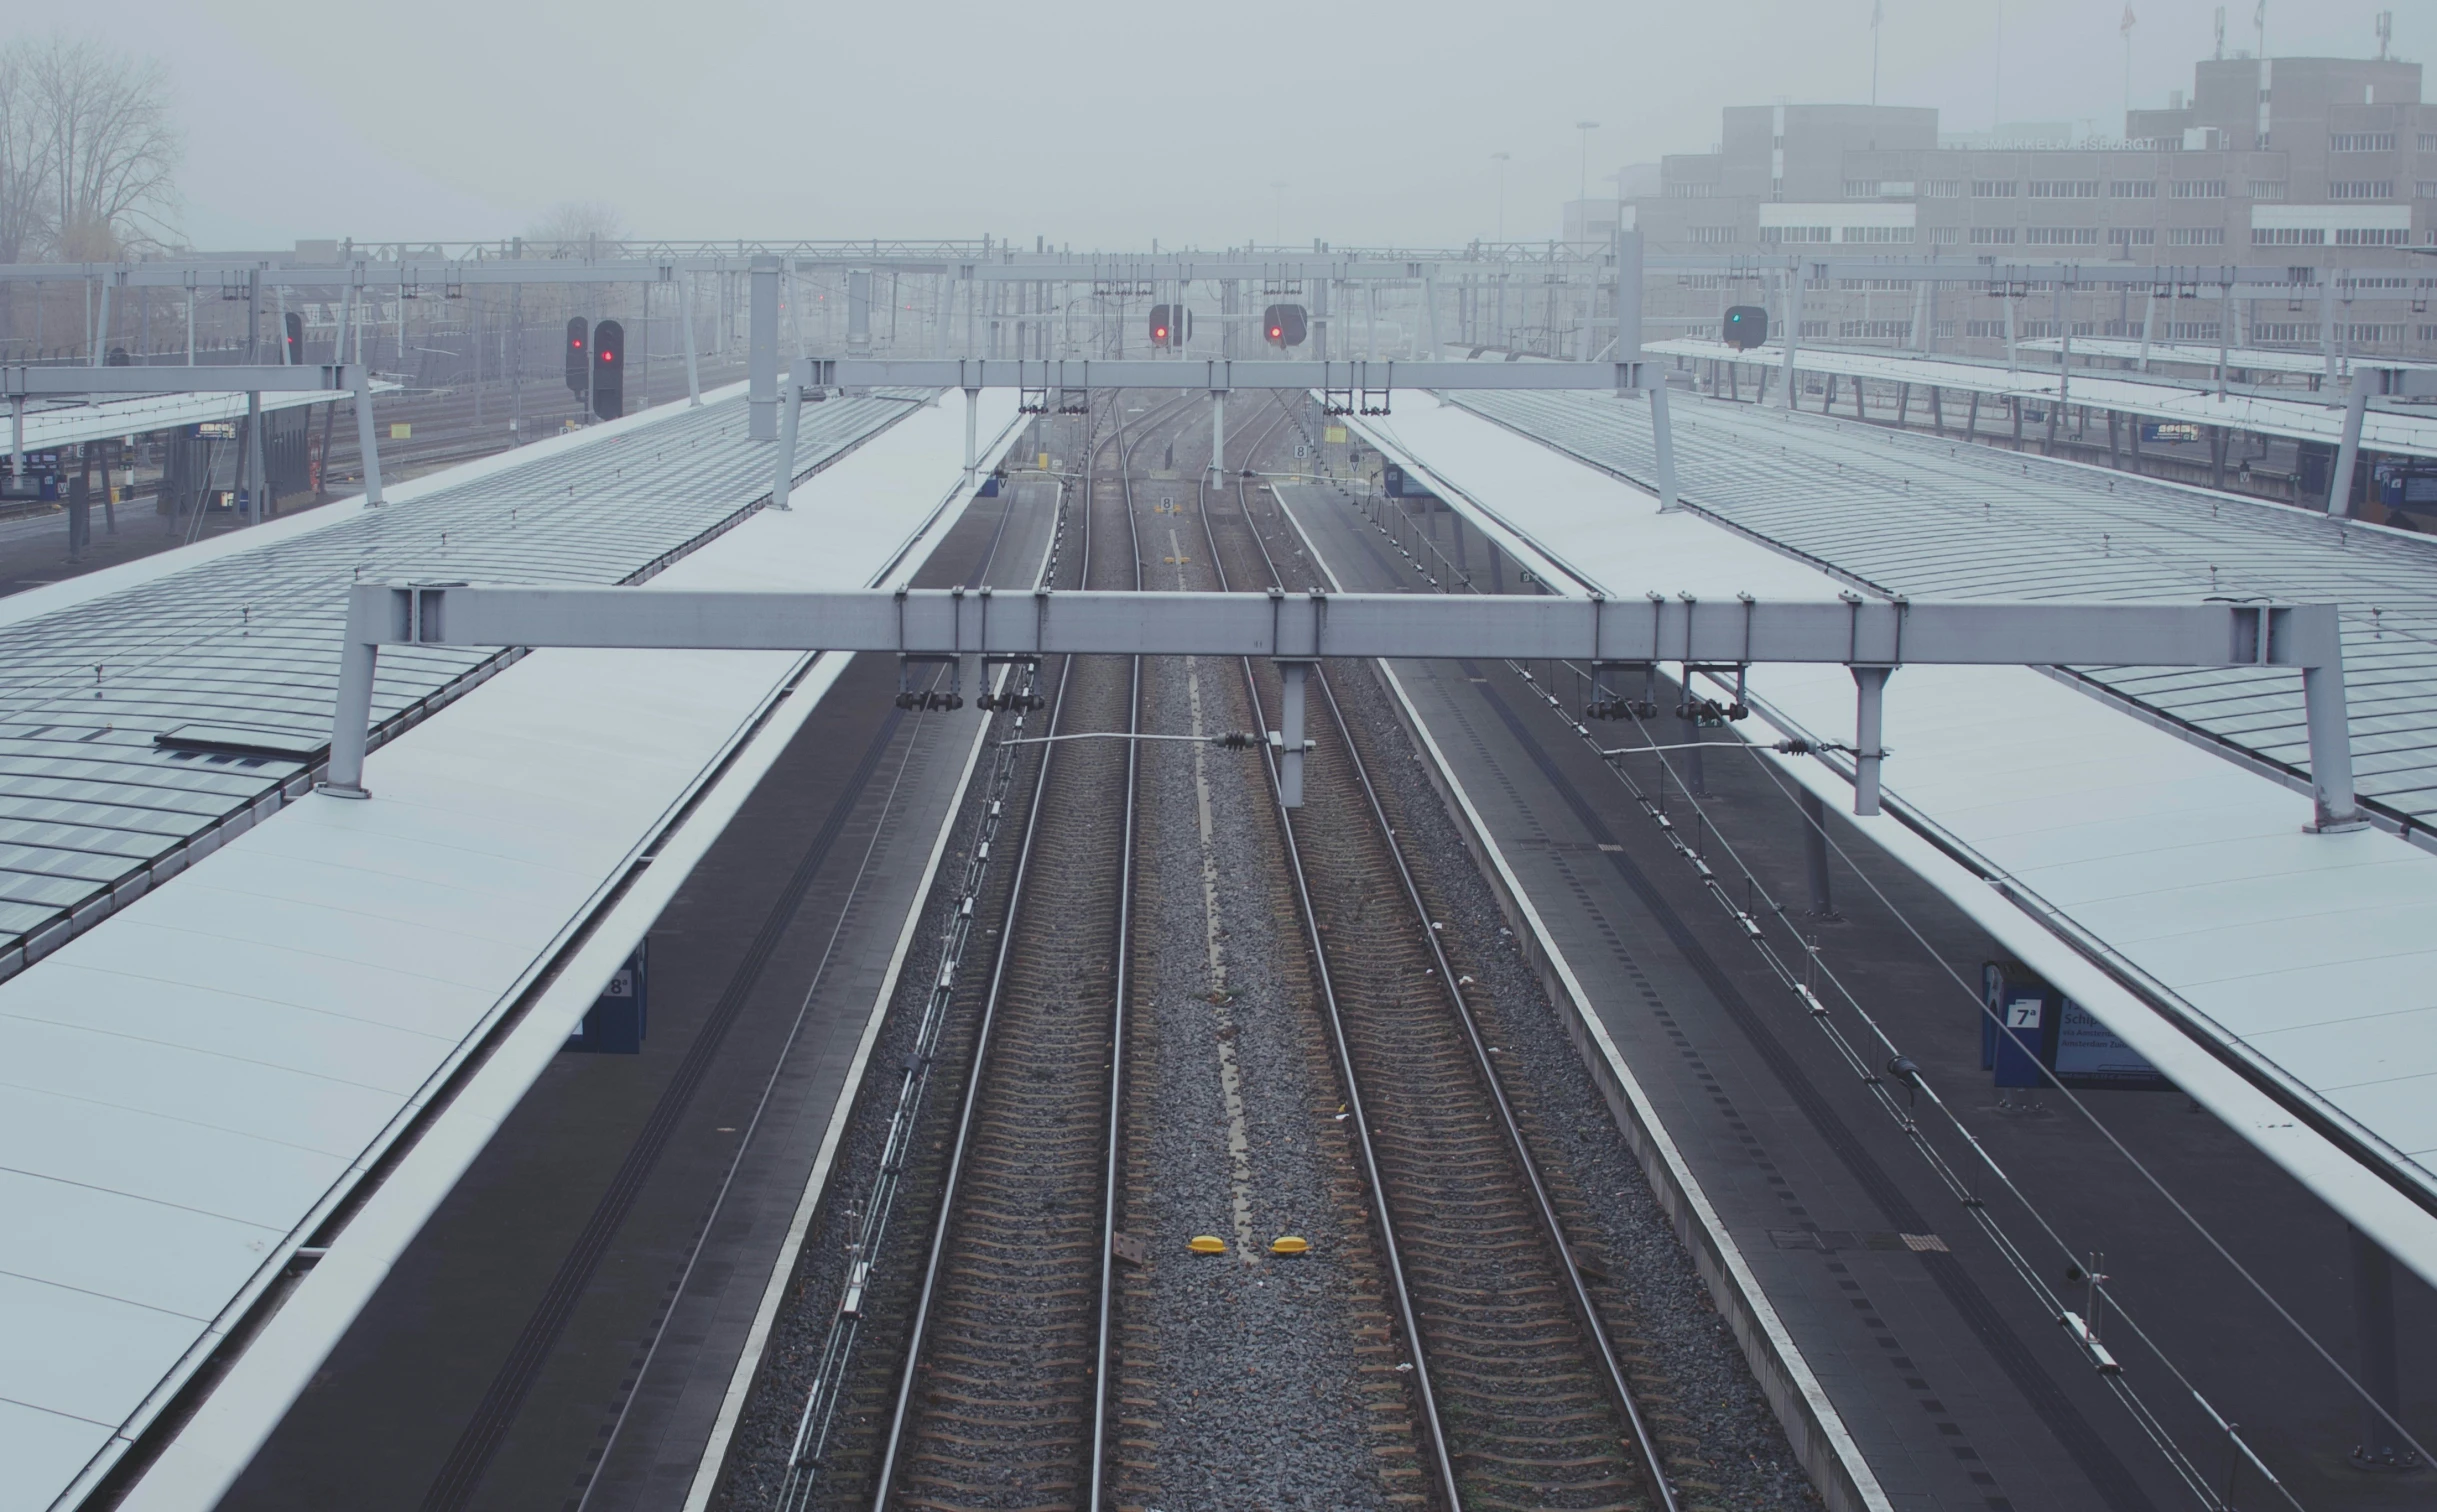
(1096, 122)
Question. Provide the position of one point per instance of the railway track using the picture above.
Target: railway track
(1023, 1365)
(1526, 1395)
(1004, 1401)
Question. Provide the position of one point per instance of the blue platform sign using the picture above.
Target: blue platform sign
(614, 1024)
(2032, 1028)
(2169, 430)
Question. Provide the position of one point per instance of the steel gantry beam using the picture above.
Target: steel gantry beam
(1871, 637)
(1003, 265)
(1216, 375)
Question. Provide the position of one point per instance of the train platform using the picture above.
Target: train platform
(1947, 1377)
(2192, 401)
(281, 1041)
(580, 1317)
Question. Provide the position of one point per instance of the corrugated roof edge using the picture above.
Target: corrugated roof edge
(2390, 1172)
(138, 880)
(2385, 816)
(405, 1177)
(68, 593)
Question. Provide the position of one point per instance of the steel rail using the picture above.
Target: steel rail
(1552, 1227)
(796, 1488)
(893, 1449)
(1442, 1463)
(1124, 978)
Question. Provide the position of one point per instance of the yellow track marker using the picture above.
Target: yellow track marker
(1207, 1244)
(1289, 1245)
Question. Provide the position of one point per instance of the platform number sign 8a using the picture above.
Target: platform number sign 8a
(620, 1015)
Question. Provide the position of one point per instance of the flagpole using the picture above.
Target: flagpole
(2126, 29)
(1878, 13)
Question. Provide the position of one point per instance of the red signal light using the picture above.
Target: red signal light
(609, 356)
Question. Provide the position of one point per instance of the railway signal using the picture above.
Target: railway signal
(1171, 325)
(609, 370)
(295, 325)
(1747, 326)
(579, 369)
(1285, 325)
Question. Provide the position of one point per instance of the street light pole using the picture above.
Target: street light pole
(1501, 159)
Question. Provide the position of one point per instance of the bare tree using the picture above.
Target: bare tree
(111, 150)
(25, 163)
(573, 228)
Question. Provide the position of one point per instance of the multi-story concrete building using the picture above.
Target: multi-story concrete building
(2310, 164)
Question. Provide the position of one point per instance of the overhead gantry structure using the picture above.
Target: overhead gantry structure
(1345, 387)
(1872, 638)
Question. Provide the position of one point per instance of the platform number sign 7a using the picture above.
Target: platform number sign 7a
(2022, 1013)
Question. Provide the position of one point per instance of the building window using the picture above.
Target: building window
(1861, 188)
(1692, 191)
(1943, 189)
(2425, 189)
(1944, 236)
(2133, 236)
(1710, 235)
(2198, 236)
(2361, 189)
(2061, 236)
(2281, 236)
(1874, 330)
(2294, 332)
(2360, 141)
(2267, 189)
(2198, 189)
(1814, 330)
(1795, 234)
(2064, 189)
(2133, 189)
(2428, 332)
(2375, 283)
(1878, 233)
(2130, 328)
(2428, 142)
(1992, 236)
(1992, 188)
(2370, 236)
(2193, 330)
(2369, 335)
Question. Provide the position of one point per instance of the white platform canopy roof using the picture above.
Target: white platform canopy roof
(2292, 419)
(192, 1085)
(2305, 955)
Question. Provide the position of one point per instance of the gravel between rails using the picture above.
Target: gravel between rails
(1724, 1446)
(1246, 1378)
(1247, 1388)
